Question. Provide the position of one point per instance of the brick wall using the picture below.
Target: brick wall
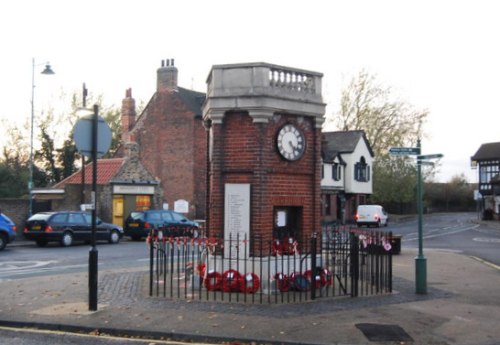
(200, 169)
(17, 211)
(172, 147)
(245, 152)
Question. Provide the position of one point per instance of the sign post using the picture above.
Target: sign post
(87, 132)
(420, 260)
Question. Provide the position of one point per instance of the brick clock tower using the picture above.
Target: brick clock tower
(264, 151)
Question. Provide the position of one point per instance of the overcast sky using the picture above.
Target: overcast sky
(437, 55)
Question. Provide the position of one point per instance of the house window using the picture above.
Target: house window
(362, 171)
(336, 172)
(487, 171)
(142, 202)
(322, 171)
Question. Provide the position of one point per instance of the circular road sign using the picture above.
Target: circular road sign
(82, 134)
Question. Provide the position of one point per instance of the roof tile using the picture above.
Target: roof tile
(106, 170)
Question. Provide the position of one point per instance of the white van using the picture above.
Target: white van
(371, 215)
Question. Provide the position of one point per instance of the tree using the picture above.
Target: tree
(67, 156)
(10, 184)
(394, 184)
(455, 195)
(387, 122)
(57, 157)
(59, 161)
(14, 164)
(368, 106)
(47, 155)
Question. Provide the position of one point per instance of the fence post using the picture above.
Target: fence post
(313, 266)
(151, 262)
(354, 264)
(390, 265)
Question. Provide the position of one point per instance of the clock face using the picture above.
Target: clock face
(291, 142)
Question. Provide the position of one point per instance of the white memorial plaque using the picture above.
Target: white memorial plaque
(236, 217)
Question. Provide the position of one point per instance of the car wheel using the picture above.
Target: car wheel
(114, 237)
(3, 241)
(41, 243)
(67, 239)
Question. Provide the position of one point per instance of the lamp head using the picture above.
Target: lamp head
(48, 70)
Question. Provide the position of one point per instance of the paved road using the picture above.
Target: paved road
(12, 336)
(28, 260)
(451, 231)
(460, 308)
(460, 232)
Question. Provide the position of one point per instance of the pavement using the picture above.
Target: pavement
(462, 306)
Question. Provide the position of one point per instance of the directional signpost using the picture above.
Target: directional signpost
(434, 156)
(420, 260)
(404, 150)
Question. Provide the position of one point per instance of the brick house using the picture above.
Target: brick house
(346, 181)
(171, 140)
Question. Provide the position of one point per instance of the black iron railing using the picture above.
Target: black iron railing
(338, 261)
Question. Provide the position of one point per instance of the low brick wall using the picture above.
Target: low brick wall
(17, 210)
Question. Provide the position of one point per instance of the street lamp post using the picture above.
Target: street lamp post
(47, 71)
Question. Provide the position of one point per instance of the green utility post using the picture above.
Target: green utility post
(420, 260)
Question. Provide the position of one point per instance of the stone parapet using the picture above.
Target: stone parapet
(264, 89)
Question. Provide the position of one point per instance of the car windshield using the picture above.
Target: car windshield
(40, 216)
(137, 215)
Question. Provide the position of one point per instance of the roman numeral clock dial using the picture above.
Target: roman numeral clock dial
(290, 142)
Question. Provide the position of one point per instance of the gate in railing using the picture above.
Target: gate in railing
(338, 261)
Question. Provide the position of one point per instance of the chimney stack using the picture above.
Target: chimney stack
(128, 115)
(166, 76)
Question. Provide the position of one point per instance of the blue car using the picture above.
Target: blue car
(7, 230)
